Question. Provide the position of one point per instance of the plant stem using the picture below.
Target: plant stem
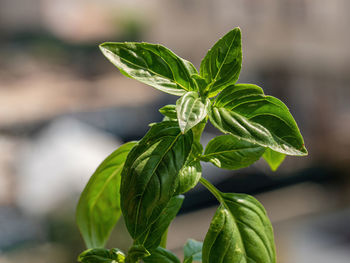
(212, 189)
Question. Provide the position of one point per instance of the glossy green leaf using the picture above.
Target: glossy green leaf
(239, 232)
(189, 177)
(152, 64)
(191, 172)
(193, 251)
(101, 255)
(191, 109)
(150, 175)
(99, 205)
(229, 152)
(169, 111)
(161, 255)
(274, 159)
(245, 112)
(222, 64)
(201, 84)
(152, 238)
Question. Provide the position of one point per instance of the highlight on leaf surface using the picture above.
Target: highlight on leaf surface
(150, 175)
(244, 111)
(152, 64)
(240, 231)
(101, 255)
(191, 109)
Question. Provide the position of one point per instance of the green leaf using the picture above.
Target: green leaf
(169, 111)
(222, 64)
(245, 112)
(193, 251)
(137, 252)
(152, 64)
(191, 172)
(274, 159)
(201, 84)
(239, 232)
(101, 255)
(99, 205)
(229, 152)
(161, 255)
(191, 109)
(150, 175)
(189, 177)
(152, 238)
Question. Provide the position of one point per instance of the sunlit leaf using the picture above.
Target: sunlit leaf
(239, 232)
(245, 112)
(152, 64)
(229, 152)
(99, 205)
(101, 255)
(274, 159)
(222, 64)
(150, 175)
(191, 109)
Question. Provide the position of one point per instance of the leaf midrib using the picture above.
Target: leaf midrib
(229, 49)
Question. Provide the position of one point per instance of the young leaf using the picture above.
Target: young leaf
(152, 238)
(189, 176)
(152, 64)
(169, 111)
(191, 109)
(101, 255)
(201, 84)
(150, 175)
(222, 64)
(191, 172)
(137, 252)
(229, 152)
(193, 251)
(274, 159)
(99, 205)
(239, 232)
(245, 112)
(161, 255)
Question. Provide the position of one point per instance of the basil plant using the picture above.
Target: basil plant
(145, 181)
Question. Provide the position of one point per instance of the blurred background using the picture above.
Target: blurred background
(64, 108)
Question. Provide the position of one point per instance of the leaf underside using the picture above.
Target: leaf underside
(191, 109)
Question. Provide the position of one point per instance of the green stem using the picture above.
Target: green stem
(198, 130)
(212, 189)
